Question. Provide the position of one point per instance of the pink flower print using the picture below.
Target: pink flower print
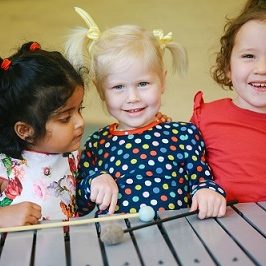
(3, 184)
(40, 190)
(19, 171)
(13, 189)
(47, 171)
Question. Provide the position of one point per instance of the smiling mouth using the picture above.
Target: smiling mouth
(134, 110)
(258, 85)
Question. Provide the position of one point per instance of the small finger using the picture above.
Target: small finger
(203, 208)
(113, 204)
(105, 202)
(36, 207)
(210, 210)
(222, 209)
(93, 195)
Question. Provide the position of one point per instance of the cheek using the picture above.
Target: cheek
(48, 134)
(113, 101)
(155, 99)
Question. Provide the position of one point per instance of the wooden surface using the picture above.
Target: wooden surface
(239, 238)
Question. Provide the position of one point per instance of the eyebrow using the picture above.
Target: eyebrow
(61, 110)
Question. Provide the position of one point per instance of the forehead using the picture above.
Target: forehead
(131, 71)
(73, 101)
(131, 63)
(251, 30)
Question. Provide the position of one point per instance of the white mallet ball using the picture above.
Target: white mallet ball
(146, 214)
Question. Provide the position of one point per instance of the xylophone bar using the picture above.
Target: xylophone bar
(185, 241)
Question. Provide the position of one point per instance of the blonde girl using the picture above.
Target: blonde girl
(140, 160)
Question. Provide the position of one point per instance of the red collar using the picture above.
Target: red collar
(113, 129)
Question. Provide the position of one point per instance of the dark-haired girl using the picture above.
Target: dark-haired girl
(40, 132)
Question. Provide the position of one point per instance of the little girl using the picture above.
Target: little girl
(41, 126)
(235, 130)
(145, 160)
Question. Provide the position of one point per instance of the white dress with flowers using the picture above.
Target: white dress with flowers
(45, 179)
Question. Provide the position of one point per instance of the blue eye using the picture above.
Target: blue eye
(118, 87)
(143, 84)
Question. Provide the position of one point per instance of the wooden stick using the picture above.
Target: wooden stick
(93, 220)
(170, 218)
(68, 223)
(160, 221)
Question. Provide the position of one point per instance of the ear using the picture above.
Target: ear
(24, 131)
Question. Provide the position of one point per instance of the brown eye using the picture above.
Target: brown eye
(65, 119)
(81, 108)
(248, 56)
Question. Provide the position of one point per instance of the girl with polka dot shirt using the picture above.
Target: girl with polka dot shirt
(139, 160)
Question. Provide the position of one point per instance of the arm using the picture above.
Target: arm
(94, 185)
(207, 196)
(24, 213)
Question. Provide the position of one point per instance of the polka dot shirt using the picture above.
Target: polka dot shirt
(162, 166)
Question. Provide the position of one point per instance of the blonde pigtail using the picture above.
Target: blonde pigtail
(79, 43)
(179, 58)
(179, 55)
(76, 47)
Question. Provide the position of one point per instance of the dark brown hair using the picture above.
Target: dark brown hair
(253, 10)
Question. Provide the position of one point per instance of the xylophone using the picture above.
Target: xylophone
(238, 238)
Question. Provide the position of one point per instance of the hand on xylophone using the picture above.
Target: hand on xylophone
(145, 214)
(113, 233)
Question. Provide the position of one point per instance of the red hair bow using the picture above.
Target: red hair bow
(35, 46)
(5, 64)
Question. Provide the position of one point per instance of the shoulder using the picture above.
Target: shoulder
(96, 135)
(199, 102)
(180, 127)
(203, 110)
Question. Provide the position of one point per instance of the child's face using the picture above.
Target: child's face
(64, 128)
(248, 66)
(133, 95)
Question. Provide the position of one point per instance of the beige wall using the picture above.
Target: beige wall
(197, 24)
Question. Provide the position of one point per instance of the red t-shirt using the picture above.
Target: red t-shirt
(235, 140)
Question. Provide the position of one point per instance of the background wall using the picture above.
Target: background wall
(196, 24)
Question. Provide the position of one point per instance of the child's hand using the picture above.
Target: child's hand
(209, 203)
(104, 192)
(24, 213)
(163, 118)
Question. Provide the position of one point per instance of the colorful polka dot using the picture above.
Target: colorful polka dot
(156, 168)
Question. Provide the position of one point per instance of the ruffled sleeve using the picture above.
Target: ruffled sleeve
(198, 104)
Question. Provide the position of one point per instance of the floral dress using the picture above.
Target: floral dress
(45, 179)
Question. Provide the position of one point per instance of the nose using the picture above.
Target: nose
(133, 95)
(79, 121)
(261, 66)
